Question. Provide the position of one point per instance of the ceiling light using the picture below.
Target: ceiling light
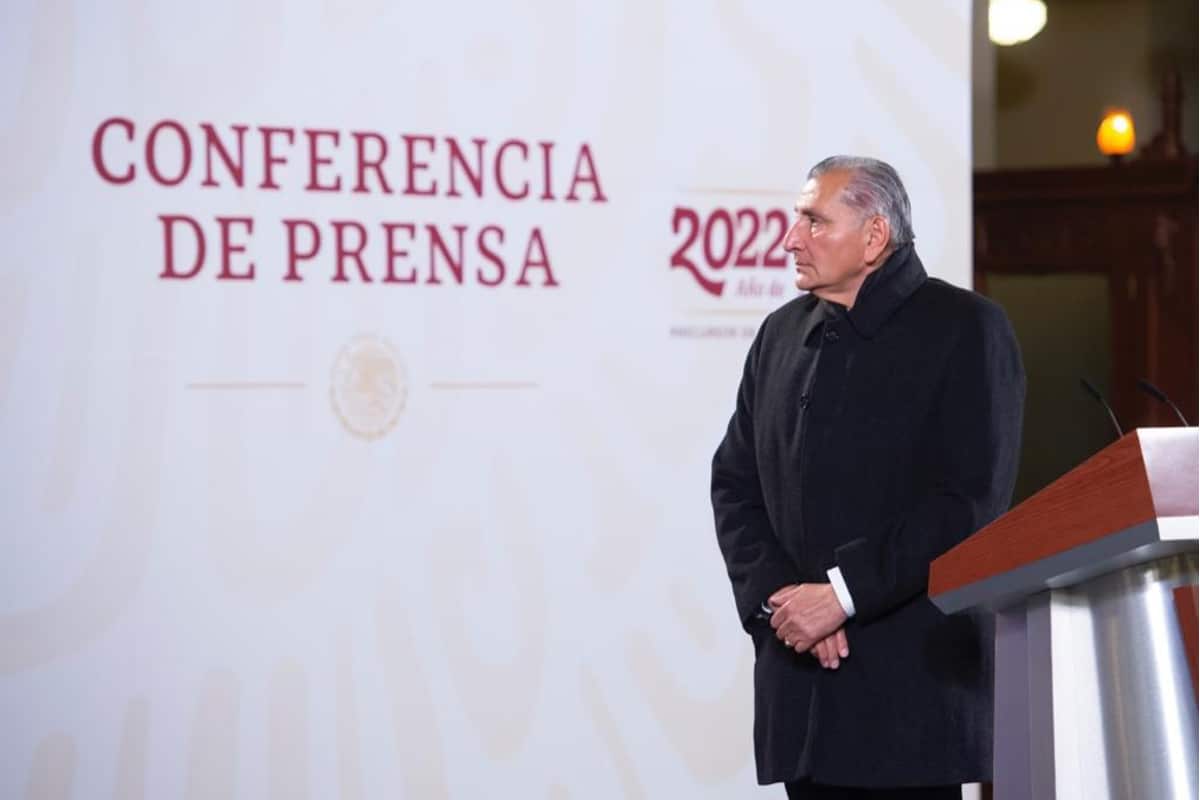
(1015, 21)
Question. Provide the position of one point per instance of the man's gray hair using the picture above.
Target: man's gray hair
(874, 188)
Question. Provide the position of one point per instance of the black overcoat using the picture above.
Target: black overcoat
(873, 439)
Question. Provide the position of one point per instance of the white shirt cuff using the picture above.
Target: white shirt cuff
(840, 589)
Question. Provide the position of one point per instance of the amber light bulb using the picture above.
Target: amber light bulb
(1115, 137)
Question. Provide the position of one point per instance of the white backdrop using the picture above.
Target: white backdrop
(428, 538)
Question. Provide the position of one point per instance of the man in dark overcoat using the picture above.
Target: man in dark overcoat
(877, 425)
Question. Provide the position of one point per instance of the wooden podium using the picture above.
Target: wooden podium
(1093, 581)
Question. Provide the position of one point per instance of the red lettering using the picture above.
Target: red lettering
(590, 176)
(499, 166)
(436, 244)
(152, 152)
(169, 271)
(491, 256)
(316, 160)
(343, 252)
(415, 166)
(295, 256)
(547, 147)
(457, 157)
(688, 218)
(228, 248)
(360, 149)
(270, 160)
(98, 150)
(543, 261)
(213, 142)
(394, 252)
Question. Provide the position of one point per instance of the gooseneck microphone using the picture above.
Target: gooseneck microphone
(1094, 392)
(1161, 396)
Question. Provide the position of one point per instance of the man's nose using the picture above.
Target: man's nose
(794, 239)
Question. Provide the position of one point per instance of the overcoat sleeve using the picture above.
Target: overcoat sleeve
(756, 562)
(974, 453)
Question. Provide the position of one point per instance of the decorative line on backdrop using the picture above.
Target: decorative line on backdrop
(246, 385)
(729, 312)
(470, 385)
(733, 190)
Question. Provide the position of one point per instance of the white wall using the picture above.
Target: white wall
(316, 538)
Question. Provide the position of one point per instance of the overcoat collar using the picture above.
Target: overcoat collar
(885, 290)
(818, 312)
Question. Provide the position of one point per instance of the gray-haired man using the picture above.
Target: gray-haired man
(876, 426)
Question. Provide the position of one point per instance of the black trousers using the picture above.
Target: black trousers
(804, 790)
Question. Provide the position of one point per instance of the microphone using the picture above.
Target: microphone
(1094, 392)
(1161, 396)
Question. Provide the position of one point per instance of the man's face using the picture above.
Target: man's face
(828, 241)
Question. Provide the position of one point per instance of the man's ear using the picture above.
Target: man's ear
(878, 235)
